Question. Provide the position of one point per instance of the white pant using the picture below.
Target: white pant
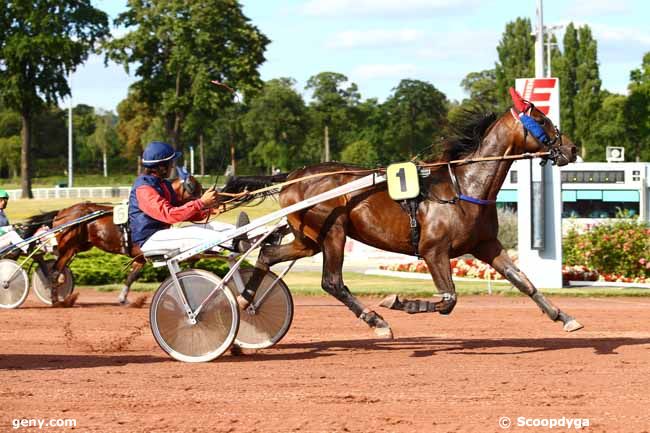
(10, 237)
(187, 237)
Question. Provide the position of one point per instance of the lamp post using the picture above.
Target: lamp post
(549, 31)
(70, 165)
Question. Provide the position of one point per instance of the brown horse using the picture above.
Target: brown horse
(104, 234)
(450, 225)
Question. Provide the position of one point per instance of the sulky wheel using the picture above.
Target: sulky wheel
(14, 285)
(41, 284)
(216, 324)
(269, 317)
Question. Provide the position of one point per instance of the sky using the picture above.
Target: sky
(377, 43)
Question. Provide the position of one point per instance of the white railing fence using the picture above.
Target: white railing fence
(94, 192)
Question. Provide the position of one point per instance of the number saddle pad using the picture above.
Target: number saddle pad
(403, 181)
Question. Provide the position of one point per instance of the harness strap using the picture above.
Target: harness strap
(460, 195)
(411, 208)
(126, 239)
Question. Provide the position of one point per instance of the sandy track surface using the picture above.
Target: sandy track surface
(97, 363)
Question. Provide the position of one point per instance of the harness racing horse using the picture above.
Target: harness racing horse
(102, 233)
(457, 214)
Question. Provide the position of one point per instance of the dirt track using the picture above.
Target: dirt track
(494, 356)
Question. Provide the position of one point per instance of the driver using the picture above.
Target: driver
(8, 236)
(152, 202)
(153, 208)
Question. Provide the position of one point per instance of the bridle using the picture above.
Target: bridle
(186, 181)
(534, 128)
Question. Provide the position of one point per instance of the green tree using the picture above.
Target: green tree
(103, 141)
(611, 127)
(83, 126)
(134, 120)
(179, 46)
(565, 69)
(516, 58)
(277, 125)
(331, 110)
(482, 89)
(360, 152)
(10, 151)
(637, 111)
(416, 119)
(41, 41)
(587, 99)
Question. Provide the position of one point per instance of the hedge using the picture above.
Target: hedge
(96, 267)
(620, 248)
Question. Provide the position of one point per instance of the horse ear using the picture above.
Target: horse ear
(517, 100)
(182, 173)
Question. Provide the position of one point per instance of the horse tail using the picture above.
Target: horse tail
(250, 184)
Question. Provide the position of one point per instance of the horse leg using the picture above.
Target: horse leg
(437, 261)
(332, 282)
(270, 255)
(136, 270)
(492, 252)
(64, 258)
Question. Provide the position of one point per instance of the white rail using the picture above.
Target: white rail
(92, 192)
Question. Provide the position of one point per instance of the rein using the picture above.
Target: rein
(383, 169)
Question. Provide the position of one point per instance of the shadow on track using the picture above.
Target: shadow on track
(18, 362)
(429, 346)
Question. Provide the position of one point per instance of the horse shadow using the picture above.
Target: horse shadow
(418, 347)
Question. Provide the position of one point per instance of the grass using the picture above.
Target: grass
(308, 283)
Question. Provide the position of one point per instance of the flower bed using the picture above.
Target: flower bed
(473, 268)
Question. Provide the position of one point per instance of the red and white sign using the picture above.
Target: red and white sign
(544, 93)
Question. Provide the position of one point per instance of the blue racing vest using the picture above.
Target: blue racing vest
(142, 225)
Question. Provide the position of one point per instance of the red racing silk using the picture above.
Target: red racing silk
(161, 208)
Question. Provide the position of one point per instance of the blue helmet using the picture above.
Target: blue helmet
(158, 152)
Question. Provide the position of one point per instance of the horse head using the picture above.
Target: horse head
(186, 186)
(539, 134)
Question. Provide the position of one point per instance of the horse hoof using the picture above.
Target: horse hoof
(68, 302)
(236, 350)
(242, 302)
(386, 333)
(572, 325)
(138, 303)
(389, 302)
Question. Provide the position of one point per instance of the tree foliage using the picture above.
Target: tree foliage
(416, 119)
(276, 125)
(360, 152)
(565, 70)
(334, 100)
(587, 99)
(41, 41)
(516, 52)
(637, 111)
(179, 46)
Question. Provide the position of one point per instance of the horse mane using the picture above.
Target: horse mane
(467, 132)
(33, 223)
(238, 184)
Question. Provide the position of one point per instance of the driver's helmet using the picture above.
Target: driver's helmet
(158, 152)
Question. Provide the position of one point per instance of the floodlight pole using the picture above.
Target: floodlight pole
(70, 165)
